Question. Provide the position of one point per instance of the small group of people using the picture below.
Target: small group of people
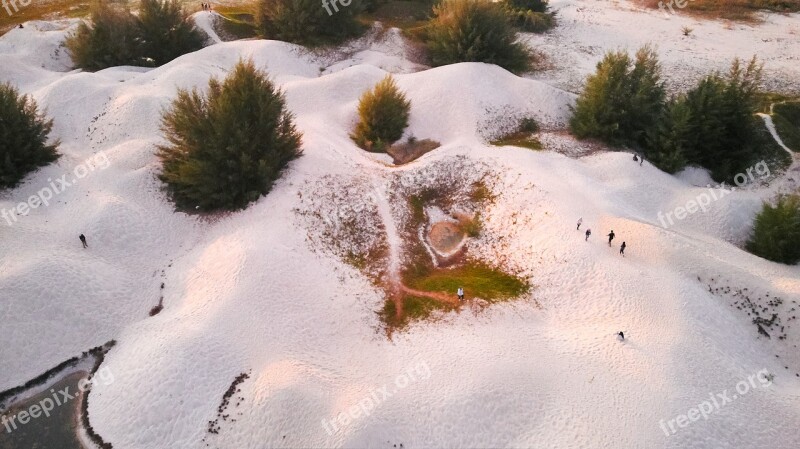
(206, 6)
(611, 236)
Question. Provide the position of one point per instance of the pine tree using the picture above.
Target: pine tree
(227, 149)
(530, 15)
(111, 40)
(166, 31)
(308, 22)
(529, 5)
(24, 134)
(776, 234)
(475, 31)
(647, 95)
(668, 139)
(722, 133)
(160, 33)
(383, 116)
(622, 100)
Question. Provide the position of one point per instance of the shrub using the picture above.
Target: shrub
(622, 100)
(111, 40)
(668, 139)
(532, 22)
(309, 22)
(160, 33)
(530, 15)
(528, 125)
(475, 31)
(529, 5)
(521, 135)
(383, 116)
(166, 32)
(776, 234)
(226, 149)
(23, 137)
(721, 131)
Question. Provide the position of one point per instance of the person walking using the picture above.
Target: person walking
(621, 336)
(588, 233)
(622, 249)
(460, 294)
(610, 237)
(635, 158)
(641, 160)
(580, 220)
(83, 240)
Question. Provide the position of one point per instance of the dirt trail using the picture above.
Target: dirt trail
(396, 286)
(394, 242)
(436, 296)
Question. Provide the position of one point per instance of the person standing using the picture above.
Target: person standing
(622, 249)
(621, 336)
(580, 220)
(460, 294)
(588, 233)
(83, 240)
(610, 237)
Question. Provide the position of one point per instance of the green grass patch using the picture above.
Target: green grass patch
(481, 193)
(473, 227)
(786, 117)
(525, 141)
(414, 308)
(477, 279)
(239, 22)
(406, 15)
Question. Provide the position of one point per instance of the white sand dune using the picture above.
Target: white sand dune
(245, 292)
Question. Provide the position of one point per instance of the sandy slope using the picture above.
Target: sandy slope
(587, 29)
(246, 293)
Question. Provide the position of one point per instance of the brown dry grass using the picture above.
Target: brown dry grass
(42, 10)
(743, 10)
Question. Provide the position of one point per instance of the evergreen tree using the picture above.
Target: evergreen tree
(23, 137)
(647, 95)
(383, 116)
(227, 149)
(776, 234)
(160, 33)
(721, 132)
(475, 31)
(622, 100)
(529, 5)
(166, 32)
(111, 40)
(668, 139)
(530, 15)
(308, 22)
